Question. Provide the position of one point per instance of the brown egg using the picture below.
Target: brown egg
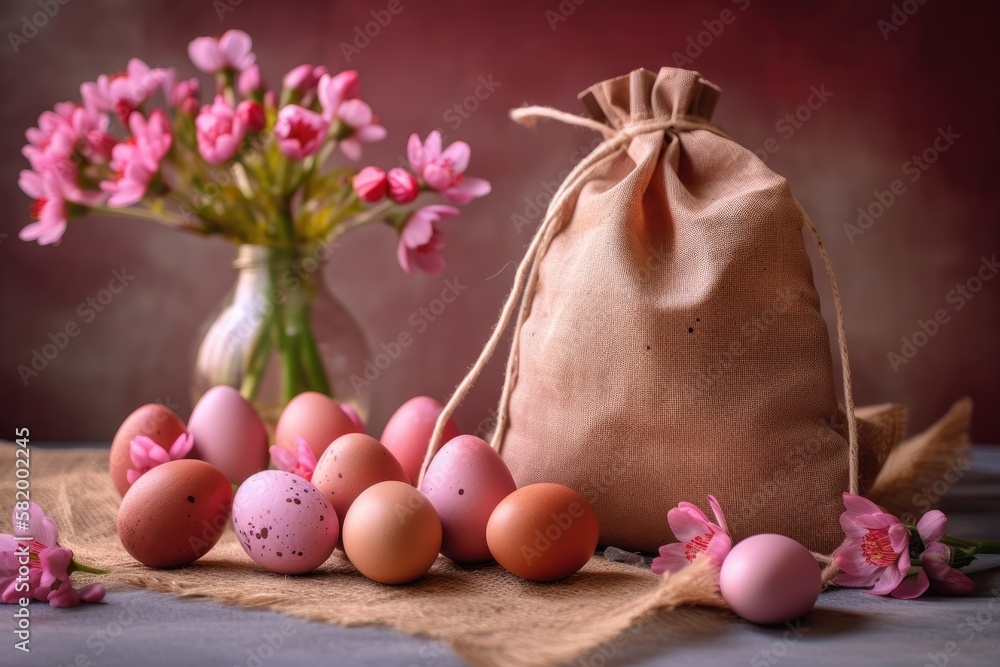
(392, 533)
(315, 418)
(351, 464)
(543, 532)
(175, 513)
(155, 421)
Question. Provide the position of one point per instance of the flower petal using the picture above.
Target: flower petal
(41, 526)
(887, 583)
(850, 559)
(911, 587)
(932, 526)
(719, 547)
(415, 153)
(55, 565)
(671, 558)
(720, 518)
(182, 446)
(467, 189)
(851, 581)
(687, 522)
(418, 230)
(92, 592)
(859, 505)
(283, 459)
(458, 154)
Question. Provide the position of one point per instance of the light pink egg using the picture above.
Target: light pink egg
(408, 432)
(228, 433)
(465, 482)
(770, 579)
(285, 524)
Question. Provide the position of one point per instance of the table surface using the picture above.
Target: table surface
(848, 627)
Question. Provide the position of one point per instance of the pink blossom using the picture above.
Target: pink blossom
(250, 81)
(49, 565)
(370, 184)
(303, 78)
(877, 549)
(48, 209)
(696, 535)
(137, 160)
(357, 124)
(232, 51)
(124, 92)
(299, 131)
(353, 415)
(936, 560)
(185, 96)
(220, 131)
(252, 115)
(301, 463)
(403, 186)
(421, 243)
(443, 170)
(332, 91)
(146, 454)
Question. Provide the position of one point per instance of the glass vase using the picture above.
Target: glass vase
(280, 332)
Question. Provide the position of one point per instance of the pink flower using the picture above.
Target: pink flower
(357, 124)
(403, 186)
(421, 243)
(444, 170)
(137, 161)
(252, 115)
(146, 454)
(302, 463)
(185, 96)
(48, 209)
(936, 560)
(122, 93)
(250, 82)
(303, 78)
(332, 91)
(49, 565)
(220, 131)
(232, 51)
(696, 535)
(877, 549)
(370, 184)
(353, 415)
(299, 131)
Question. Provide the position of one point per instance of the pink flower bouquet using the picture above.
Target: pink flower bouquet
(244, 162)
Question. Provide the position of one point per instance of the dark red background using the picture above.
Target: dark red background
(889, 97)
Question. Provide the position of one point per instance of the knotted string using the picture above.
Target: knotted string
(555, 217)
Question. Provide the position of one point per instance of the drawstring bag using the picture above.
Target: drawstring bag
(669, 342)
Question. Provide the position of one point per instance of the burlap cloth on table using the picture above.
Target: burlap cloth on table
(490, 616)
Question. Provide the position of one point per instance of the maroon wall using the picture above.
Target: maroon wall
(890, 94)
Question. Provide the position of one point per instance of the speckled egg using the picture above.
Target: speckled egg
(351, 464)
(155, 421)
(175, 513)
(285, 524)
(465, 482)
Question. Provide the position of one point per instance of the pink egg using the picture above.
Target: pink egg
(465, 482)
(228, 433)
(285, 524)
(409, 430)
(770, 579)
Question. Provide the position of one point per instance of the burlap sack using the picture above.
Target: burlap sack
(669, 341)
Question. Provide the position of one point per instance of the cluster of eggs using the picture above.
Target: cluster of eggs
(365, 496)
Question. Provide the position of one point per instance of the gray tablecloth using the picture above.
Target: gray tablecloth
(135, 627)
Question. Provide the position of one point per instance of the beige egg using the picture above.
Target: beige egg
(315, 418)
(350, 465)
(392, 533)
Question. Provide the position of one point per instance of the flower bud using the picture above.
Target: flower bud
(249, 81)
(403, 186)
(252, 115)
(370, 184)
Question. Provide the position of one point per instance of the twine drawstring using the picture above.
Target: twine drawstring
(555, 216)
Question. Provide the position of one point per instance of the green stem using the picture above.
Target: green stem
(973, 546)
(74, 566)
(311, 361)
(166, 217)
(257, 363)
